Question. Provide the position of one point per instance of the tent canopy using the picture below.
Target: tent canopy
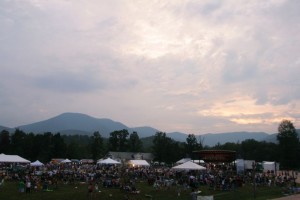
(138, 163)
(12, 159)
(189, 166)
(108, 161)
(36, 163)
(183, 160)
(270, 166)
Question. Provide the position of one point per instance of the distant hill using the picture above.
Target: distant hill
(74, 132)
(272, 137)
(144, 131)
(178, 136)
(7, 129)
(210, 139)
(3, 128)
(81, 124)
(222, 138)
(74, 121)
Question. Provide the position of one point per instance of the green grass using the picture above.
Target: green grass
(79, 192)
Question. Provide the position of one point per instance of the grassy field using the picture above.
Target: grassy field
(9, 191)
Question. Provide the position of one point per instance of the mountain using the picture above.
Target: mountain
(144, 131)
(273, 137)
(181, 137)
(210, 139)
(74, 132)
(7, 129)
(76, 122)
(81, 124)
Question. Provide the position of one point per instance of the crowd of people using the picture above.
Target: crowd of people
(48, 178)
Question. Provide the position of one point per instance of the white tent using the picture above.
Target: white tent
(198, 161)
(66, 161)
(108, 161)
(138, 163)
(270, 166)
(249, 164)
(240, 165)
(183, 160)
(12, 159)
(36, 163)
(189, 165)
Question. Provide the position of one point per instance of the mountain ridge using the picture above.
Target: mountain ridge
(82, 124)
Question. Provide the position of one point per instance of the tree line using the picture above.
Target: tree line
(49, 145)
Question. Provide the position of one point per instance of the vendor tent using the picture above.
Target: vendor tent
(189, 165)
(240, 165)
(198, 161)
(183, 160)
(12, 159)
(138, 163)
(36, 164)
(270, 166)
(108, 161)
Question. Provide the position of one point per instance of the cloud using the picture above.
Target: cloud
(188, 65)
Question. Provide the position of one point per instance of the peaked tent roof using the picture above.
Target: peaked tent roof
(108, 161)
(189, 165)
(12, 159)
(183, 160)
(37, 163)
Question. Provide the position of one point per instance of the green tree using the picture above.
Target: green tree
(78, 146)
(118, 140)
(97, 145)
(134, 142)
(288, 145)
(166, 149)
(249, 149)
(73, 150)
(58, 146)
(191, 145)
(29, 151)
(159, 141)
(4, 142)
(18, 142)
(43, 146)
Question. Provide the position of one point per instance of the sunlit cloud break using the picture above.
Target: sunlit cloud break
(188, 66)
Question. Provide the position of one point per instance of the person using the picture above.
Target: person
(21, 186)
(194, 194)
(28, 186)
(178, 191)
(96, 187)
(90, 190)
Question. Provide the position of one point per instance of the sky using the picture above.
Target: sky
(190, 66)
